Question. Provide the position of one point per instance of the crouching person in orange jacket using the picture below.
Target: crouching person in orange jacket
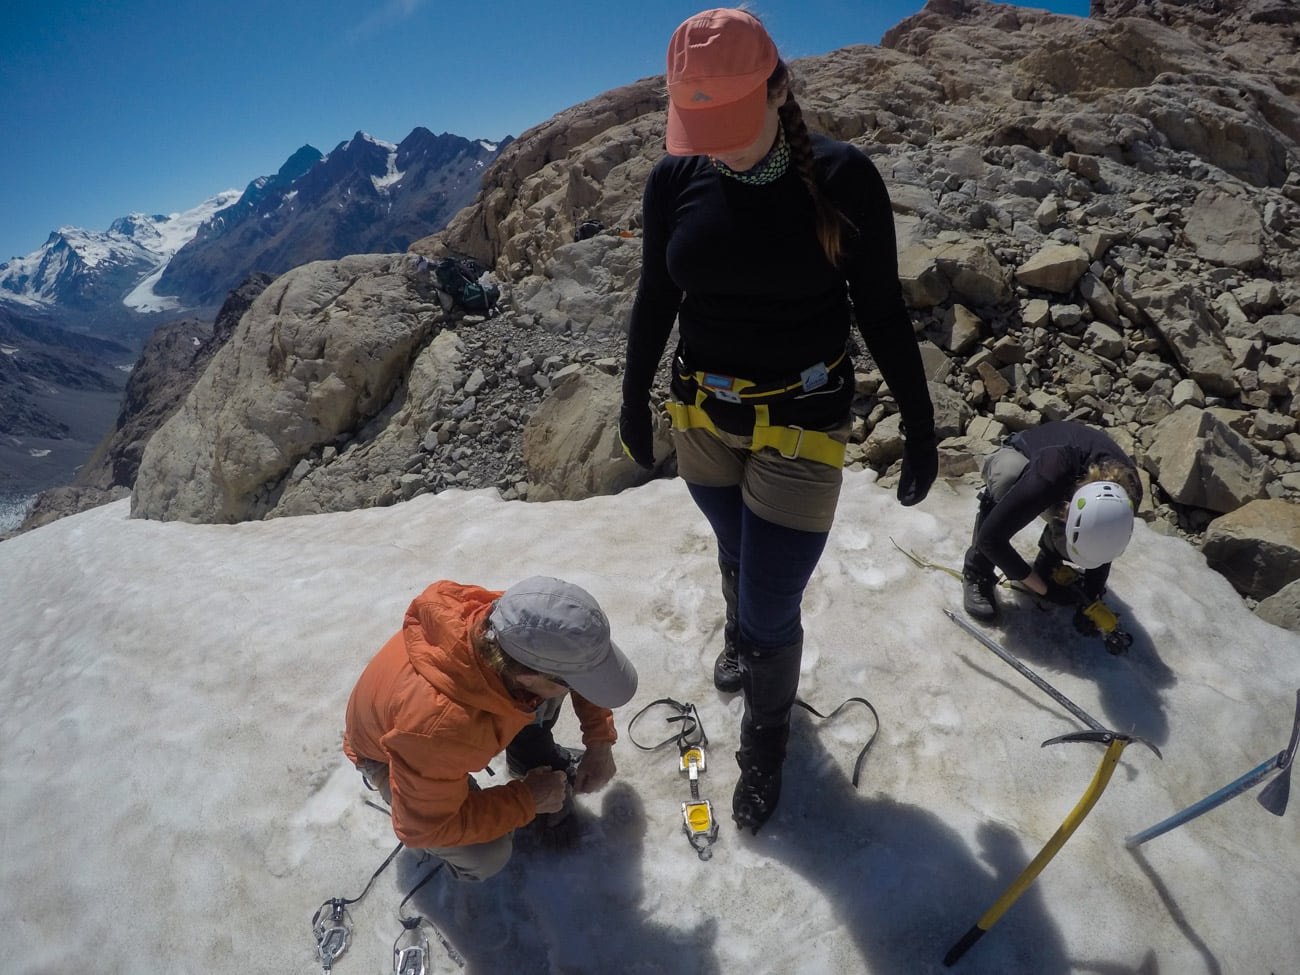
(473, 672)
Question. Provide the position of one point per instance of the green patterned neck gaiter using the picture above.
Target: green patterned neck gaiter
(767, 170)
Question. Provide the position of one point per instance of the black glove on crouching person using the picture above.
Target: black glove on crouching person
(920, 467)
(636, 433)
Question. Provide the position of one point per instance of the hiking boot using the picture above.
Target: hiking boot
(757, 792)
(761, 755)
(562, 759)
(978, 596)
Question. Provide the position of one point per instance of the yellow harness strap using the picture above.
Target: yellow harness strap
(789, 442)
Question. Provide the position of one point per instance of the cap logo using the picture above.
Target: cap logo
(699, 96)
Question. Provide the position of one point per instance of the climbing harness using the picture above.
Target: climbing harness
(698, 822)
(332, 925)
(790, 441)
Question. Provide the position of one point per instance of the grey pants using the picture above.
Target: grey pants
(1001, 470)
(477, 861)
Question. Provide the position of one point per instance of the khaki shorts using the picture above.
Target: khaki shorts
(474, 862)
(793, 493)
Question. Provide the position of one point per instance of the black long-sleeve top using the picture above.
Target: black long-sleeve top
(1060, 454)
(741, 269)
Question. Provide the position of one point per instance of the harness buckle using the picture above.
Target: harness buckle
(798, 442)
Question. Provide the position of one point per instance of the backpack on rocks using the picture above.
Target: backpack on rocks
(460, 277)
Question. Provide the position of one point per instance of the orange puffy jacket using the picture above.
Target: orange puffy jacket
(431, 708)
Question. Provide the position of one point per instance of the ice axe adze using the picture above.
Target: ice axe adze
(1115, 744)
(1272, 797)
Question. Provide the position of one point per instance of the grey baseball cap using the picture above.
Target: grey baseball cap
(558, 629)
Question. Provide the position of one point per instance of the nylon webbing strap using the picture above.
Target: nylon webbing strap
(862, 755)
(789, 442)
(733, 389)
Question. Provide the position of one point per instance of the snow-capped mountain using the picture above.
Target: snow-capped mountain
(366, 196)
(76, 312)
(83, 270)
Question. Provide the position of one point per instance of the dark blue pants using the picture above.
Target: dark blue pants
(775, 565)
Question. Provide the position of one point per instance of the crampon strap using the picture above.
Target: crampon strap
(333, 928)
(862, 755)
(698, 821)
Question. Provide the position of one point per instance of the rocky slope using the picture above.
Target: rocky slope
(1097, 219)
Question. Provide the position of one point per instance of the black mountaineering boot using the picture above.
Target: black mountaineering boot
(977, 595)
(771, 682)
(726, 669)
(761, 755)
(535, 747)
(978, 582)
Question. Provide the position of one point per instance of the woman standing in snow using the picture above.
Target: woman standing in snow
(764, 243)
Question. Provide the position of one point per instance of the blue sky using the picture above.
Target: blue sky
(140, 105)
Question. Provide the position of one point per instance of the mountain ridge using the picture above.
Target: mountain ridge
(118, 286)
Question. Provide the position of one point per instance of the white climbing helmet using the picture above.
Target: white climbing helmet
(1098, 524)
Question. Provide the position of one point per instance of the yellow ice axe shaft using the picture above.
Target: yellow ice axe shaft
(1027, 876)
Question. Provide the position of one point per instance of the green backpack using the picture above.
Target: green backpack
(460, 278)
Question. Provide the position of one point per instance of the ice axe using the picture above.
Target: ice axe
(1272, 797)
(1115, 744)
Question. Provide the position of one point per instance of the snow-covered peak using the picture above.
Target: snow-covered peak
(370, 139)
(142, 241)
(179, 228)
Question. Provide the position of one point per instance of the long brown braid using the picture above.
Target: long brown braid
(831, 223)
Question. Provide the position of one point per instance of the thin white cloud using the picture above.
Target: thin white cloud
(388, 15)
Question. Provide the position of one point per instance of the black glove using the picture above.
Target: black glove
(636, 434)
(920, 468)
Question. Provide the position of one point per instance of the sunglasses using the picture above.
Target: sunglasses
(557, 680)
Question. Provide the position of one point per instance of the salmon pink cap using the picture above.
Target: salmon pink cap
(718, 65)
